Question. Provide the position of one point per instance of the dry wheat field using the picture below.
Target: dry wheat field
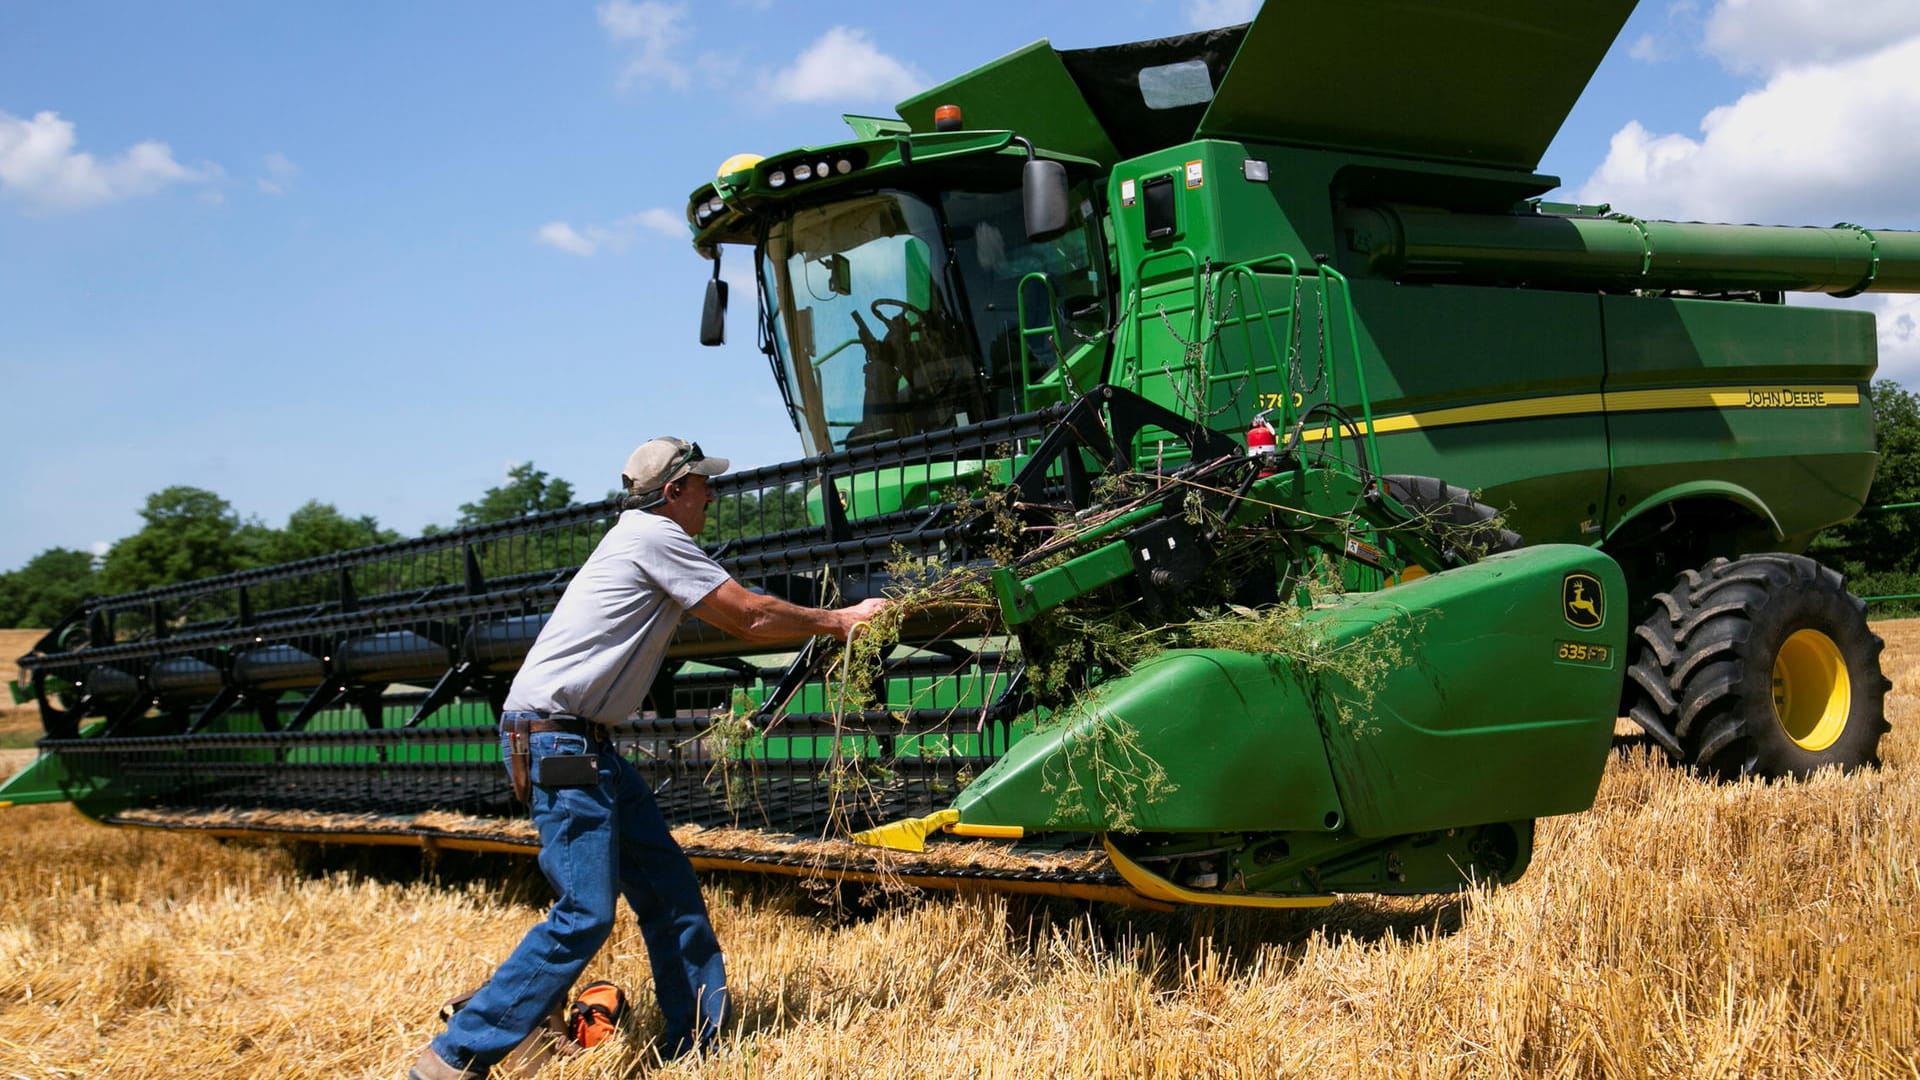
(1679, 929)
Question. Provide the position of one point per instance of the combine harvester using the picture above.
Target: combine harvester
(1133, 368)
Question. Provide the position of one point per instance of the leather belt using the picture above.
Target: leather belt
(532, 720)
(570, 725)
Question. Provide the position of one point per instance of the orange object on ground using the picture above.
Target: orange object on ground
(596, 1013)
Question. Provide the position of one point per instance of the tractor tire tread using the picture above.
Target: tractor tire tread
(1705, 657)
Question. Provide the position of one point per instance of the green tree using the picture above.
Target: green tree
(527, 491)
(320, 529)
(1880, 549)
(190, 533)
(755, 514)
(49, 586)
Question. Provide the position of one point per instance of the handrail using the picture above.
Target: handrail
(1284, 357)
(1052, 329)
(1138, 301)
(1277, 329)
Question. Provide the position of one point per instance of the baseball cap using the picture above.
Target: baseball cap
(659, 462)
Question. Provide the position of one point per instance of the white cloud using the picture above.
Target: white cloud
(280, 172)
(559, 234)
(1207, 14)
(40, 167)
(1751, 36)
(844, 66)
(613, 238)
(1828, 136)
(656, 32)
(1899, 322)
(1817, 144)
(665, 222)
(1673, 40)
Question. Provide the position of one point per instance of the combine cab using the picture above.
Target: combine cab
(1193, 399)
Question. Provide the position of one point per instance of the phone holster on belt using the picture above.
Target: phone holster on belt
(567, 770)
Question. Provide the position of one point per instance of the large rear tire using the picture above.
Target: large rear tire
(1761, 666)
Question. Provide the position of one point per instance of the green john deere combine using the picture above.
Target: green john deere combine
(1284, 501)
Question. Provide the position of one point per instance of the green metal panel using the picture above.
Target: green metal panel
(43, 781)
(1235, 734)
(1503, 708)
(1495, 390)
(884, 491)
(875, 127)
(1767, 398)
(1221, 218)
(1485, 82)
(1003, 95)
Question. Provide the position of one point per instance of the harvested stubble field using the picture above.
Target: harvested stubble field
(1678, 929)
(19, 724)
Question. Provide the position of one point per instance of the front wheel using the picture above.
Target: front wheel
(1761, 666)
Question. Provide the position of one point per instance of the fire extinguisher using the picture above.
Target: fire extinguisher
(1263, 446)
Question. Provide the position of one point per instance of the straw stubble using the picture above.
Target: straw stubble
(1679, 928)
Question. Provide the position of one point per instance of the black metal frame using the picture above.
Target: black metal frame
(452, 613)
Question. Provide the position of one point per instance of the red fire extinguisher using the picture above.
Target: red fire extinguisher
(1262, 446)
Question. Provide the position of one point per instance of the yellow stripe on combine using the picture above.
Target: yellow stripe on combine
(1625, 401)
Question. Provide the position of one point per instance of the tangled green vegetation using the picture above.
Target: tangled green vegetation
(1070, 650)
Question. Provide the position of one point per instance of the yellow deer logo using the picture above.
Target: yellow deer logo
(1582, 602)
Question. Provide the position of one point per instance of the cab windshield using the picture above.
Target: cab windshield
(897, 314)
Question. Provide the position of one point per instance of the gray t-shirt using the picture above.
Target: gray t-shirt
(599, 652)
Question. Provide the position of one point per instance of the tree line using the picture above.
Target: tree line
(1879, 550)
(190, 533)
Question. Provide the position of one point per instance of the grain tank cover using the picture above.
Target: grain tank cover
(1481, 82)
(1150, 94)
(1090, 102)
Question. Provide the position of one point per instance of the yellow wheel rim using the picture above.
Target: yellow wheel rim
(1811, 691)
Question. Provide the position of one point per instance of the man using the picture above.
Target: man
(601, 834)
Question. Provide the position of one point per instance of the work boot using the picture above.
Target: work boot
(430, 1067)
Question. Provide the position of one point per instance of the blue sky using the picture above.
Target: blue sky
(375, 253)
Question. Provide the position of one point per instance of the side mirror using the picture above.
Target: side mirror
(713, 314)
(1043, 195)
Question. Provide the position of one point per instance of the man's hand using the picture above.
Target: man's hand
(864, 611)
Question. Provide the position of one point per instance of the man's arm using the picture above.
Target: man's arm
(732, 609)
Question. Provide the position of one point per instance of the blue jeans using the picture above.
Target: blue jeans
(596, 844)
